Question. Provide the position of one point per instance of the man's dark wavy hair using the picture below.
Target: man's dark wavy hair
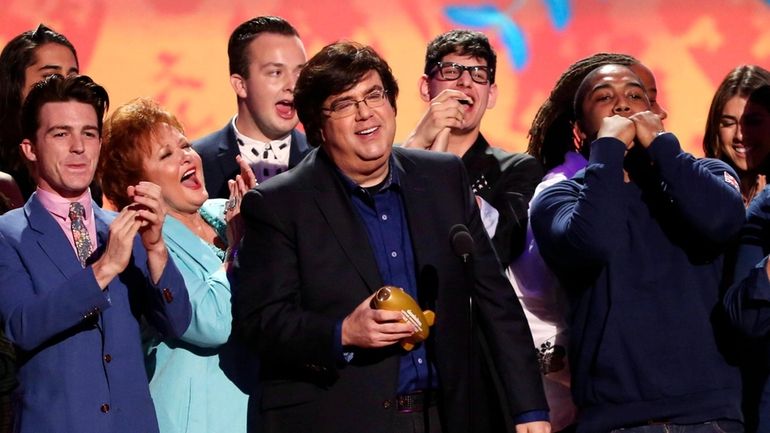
(56, 88)
(337, 68)
(463, 43)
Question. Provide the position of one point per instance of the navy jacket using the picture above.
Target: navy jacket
(748, 304)
(642, 263)
(219, 149)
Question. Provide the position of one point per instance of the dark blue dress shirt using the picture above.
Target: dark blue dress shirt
(381, 210)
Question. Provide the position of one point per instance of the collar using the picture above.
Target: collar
(59, 206)
(391, 179)
(479, 148)
(279, 146)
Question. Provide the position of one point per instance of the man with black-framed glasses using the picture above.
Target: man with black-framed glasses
(459, 84)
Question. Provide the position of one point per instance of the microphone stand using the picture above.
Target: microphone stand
(462, 244)
(468, 276)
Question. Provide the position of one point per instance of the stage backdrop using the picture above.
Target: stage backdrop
(175, 50)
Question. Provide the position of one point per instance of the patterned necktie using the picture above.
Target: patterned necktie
(79, 232)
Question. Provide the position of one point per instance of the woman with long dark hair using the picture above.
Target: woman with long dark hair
(25, 60)
(724, 138)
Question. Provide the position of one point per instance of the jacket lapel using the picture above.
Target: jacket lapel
(298, 148)
(338, 212)
(228, 150)
(420, 203)
(416, 202)
(51, 238)
(103, 220)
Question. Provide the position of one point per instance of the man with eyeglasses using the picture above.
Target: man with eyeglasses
(355, 215)
(459, 84)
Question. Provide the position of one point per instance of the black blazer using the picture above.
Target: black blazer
(507, 181)
(219, 149)
(305, 263)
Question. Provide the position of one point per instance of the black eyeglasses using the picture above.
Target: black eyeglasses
(347, 107)
(450, 71)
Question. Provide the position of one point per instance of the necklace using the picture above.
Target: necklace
(219, 226)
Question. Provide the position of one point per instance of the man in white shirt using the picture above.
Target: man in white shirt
(266, 56)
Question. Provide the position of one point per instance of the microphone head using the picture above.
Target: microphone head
(461, 240)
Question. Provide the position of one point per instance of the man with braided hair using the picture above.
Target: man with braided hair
(553, 140)
(636, 239)
(552, 133)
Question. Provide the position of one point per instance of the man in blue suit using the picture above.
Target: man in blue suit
(266, 56)
(75, 281)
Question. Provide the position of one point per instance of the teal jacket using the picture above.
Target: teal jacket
(191, 392)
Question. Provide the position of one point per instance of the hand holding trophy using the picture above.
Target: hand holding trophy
(396, 299)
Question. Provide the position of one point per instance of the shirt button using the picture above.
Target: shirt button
(108, 358)
(393, 254)
(419, 360)
(105, 408)
(168, 296)
(384, 217)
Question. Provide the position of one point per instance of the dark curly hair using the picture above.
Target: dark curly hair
(551, 135)
(463, 43)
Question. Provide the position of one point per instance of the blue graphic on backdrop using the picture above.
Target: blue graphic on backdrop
(514, 40)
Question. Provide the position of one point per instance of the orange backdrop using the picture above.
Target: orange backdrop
(175, 51)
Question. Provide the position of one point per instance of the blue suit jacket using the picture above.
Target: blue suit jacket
(219, 149)
(81, 364)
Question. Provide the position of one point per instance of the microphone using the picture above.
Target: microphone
(462, 242)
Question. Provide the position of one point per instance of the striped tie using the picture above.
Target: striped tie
(79, 232)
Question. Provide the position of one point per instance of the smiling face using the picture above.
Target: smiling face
(49, 59)
(360, 144)
(482, 96)
(177, 169)
(266, 99)
(66, 148)
(755, 125)
(730, 135)
(648, 81)
(609, 90)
